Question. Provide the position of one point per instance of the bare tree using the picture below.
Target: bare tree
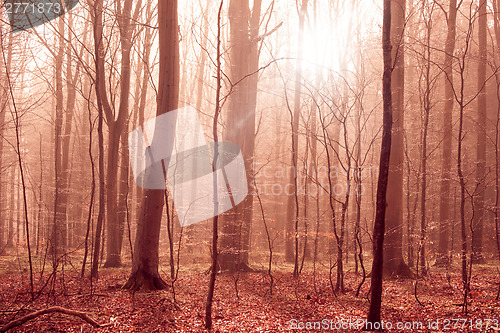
(292, 220)
(117, 188)
(479, 209)
(146, 256)
(393, 261)
(496, 17)
(244, 55)
(215, 220)
(5, 99)
(446, 171)
(385, 155)
(428, 81)
(59, 232)
(102, 103)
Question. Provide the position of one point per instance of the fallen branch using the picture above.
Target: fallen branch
(53, 309)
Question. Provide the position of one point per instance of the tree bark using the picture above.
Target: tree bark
(215, 220)
(194, 229)
(479, 209)
(5, 66)
(235, 235)
(446, 172)
(146, 257)
(427, 109)
(59, 226)
(71, 81)
(383, 176)
(102, 105)
(142, 86)
(394, 264)
(292, 210)
(115, 220)
(10, 235)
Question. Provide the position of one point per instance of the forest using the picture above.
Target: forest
(250, 165)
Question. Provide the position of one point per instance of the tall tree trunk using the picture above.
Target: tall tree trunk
(40, 202)
(291, 253)
(115, 220)
(496, 6)
(249, 146)
(71, 81)
(18, 210)
(385, 154)
(236, 223)
(393, 261)
(427, 108)
(146, 249)
(479, 210)
(59, 236)
(444, 198)
(141, 99)
(194, 229)
(4, 100)
(10, 235)
(463, 227)
(102, 105)
(215, 220)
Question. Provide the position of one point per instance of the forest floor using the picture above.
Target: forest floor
(244, 303)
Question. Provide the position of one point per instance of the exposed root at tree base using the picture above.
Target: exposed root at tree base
(142, 280)
(397, 271)
(240, 267)
(112, 264)
(400, 271)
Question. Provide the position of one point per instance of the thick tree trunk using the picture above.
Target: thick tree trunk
(115, 220)
(385, 155)
(232, 221)
(394, 264)
(113, 252)
(146, 257)
(249, 146)
(446, 173)
(235, 236)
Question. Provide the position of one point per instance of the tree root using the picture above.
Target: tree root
(399, 271)
(140, 279)
(234, 267)
(53, 309)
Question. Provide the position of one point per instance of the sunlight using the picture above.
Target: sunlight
(331, 36)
